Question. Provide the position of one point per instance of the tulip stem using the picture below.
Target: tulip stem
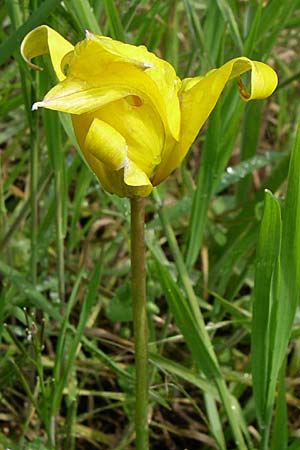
(140, 326)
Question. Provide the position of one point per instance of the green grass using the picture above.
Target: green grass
(222, 233)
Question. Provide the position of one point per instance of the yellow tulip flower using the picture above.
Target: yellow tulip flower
(134, 119)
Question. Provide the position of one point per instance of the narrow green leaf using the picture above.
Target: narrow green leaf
(267, 254)
(251, 31)
(229, 17)
(114, 20)
(287, 295)
(84, 15)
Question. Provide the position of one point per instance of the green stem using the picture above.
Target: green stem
(140, 327)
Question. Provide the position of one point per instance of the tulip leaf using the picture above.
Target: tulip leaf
(277, 288)
(287, 294)
(267, 255)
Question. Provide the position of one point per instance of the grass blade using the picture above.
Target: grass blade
(114, 20)
(289, 289)
(83, 15)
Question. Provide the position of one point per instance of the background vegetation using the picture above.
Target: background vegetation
(66, 366)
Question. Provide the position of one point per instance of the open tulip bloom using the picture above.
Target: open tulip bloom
(134, 119)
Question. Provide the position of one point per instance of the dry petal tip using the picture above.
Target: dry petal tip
(88, 34)
(37, 105)
(125, 162)
(147, 65)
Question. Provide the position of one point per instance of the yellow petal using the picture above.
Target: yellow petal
(129, 181)
(76, 96)
(199, 97)
(100, 53)
(43, 40)
(142, 129)
(106, 144)
(135, 177)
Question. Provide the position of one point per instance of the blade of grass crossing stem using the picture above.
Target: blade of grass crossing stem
(84, 15)
(114, 20)
(268, 249)
(287, 291)
(204, 189)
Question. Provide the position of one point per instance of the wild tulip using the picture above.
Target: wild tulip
(134, 119)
